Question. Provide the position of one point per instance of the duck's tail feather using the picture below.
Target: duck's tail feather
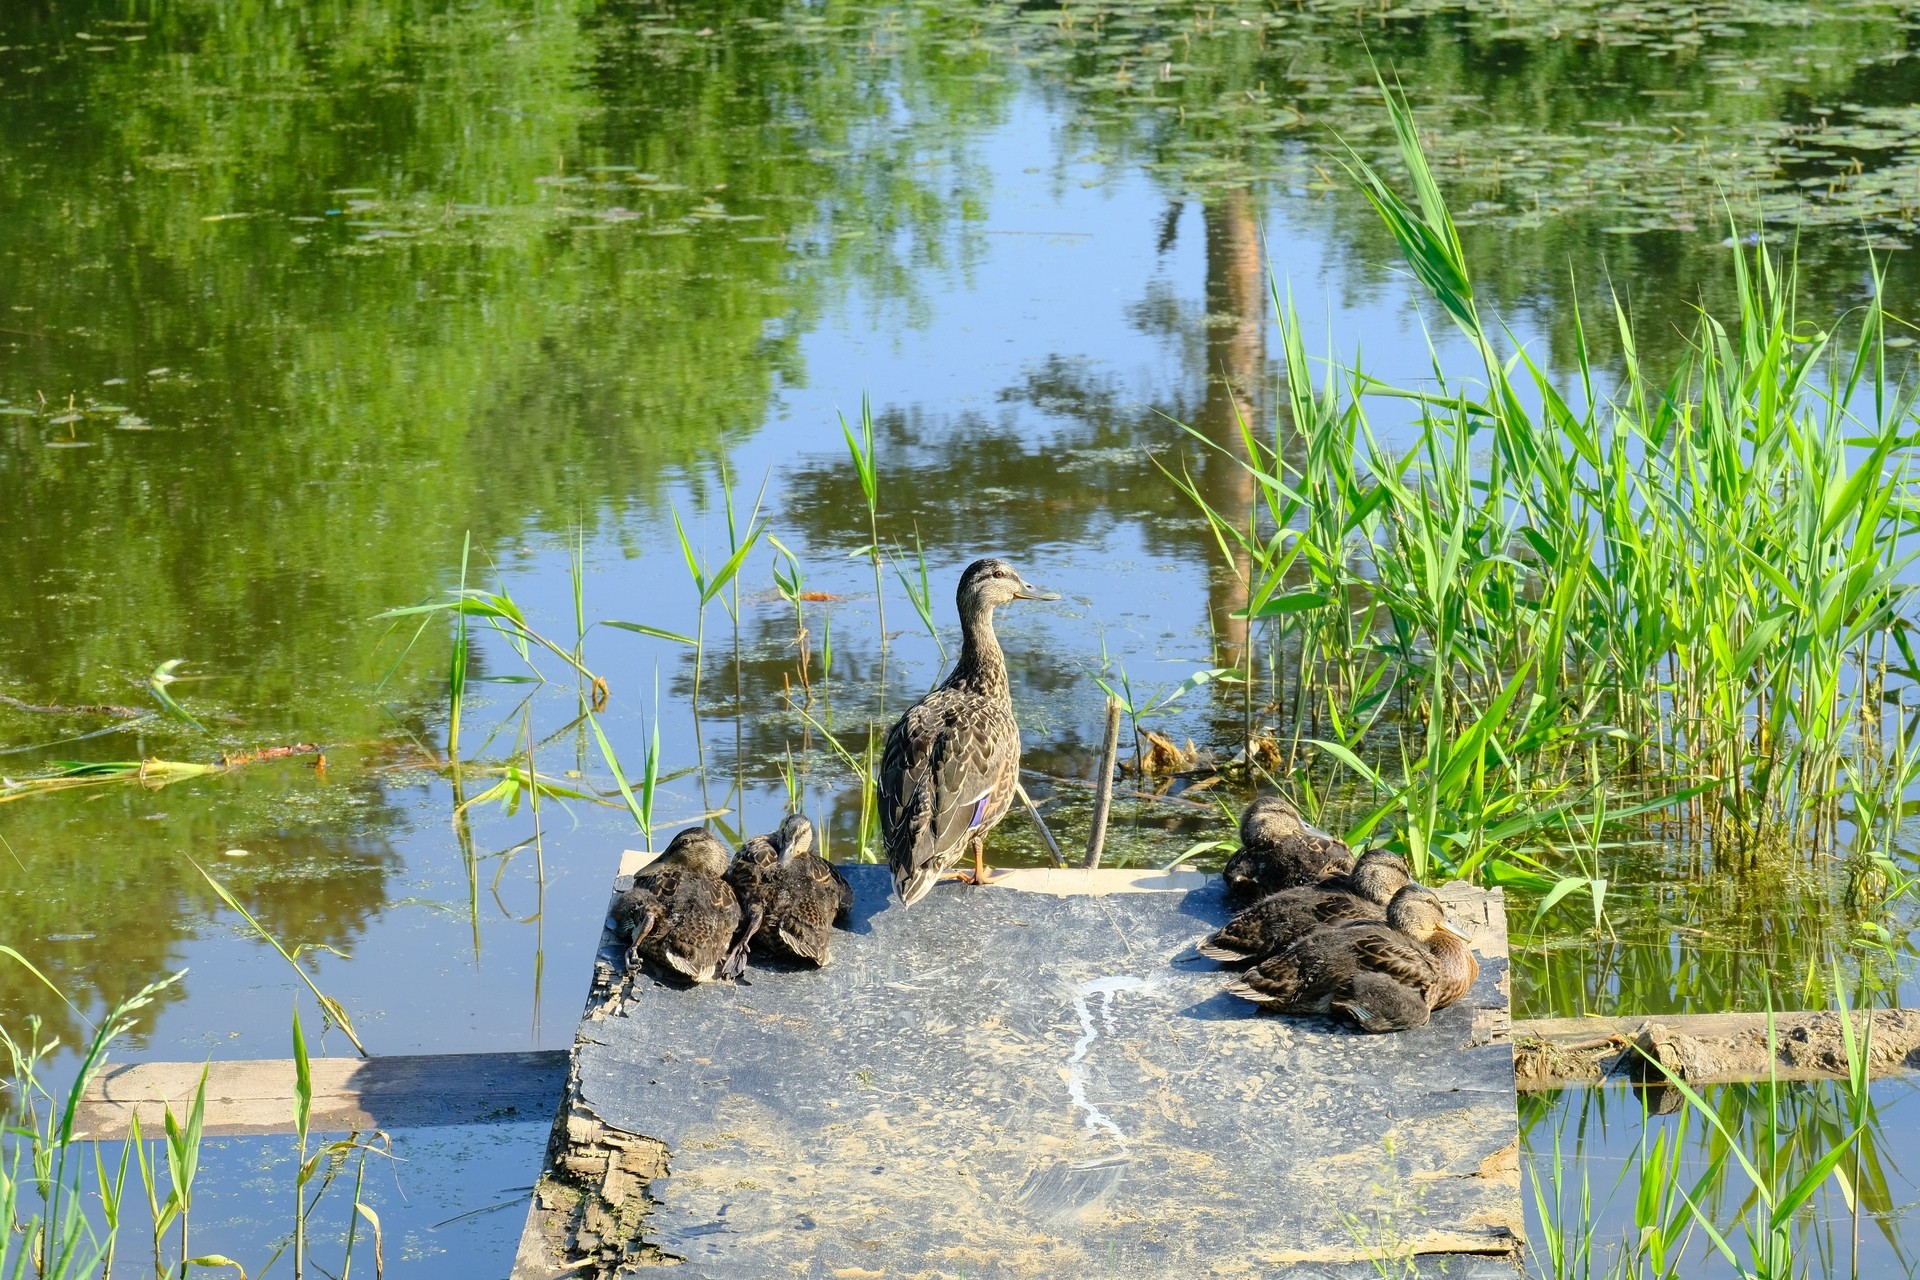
(1226, 953)
(736, 962)
(914, 883)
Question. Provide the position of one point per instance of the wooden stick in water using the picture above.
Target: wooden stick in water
(1103, 786)
(1053, 846)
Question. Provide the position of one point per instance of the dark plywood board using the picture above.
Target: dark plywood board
(1001, 1083)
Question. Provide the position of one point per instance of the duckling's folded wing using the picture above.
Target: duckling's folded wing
(1393, 955)
(1259, 930)
(1377, 1003)
(843, 892)
(807, 937)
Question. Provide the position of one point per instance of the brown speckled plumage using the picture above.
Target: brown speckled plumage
(953, 759)
(681, 914)
(1280, 851)
(790, 897)
(1280, 919)
(1383, 976)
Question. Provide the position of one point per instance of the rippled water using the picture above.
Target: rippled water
(300, 299)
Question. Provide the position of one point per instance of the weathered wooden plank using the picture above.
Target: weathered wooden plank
(1710, 1048)
(1037, 1082)
(395, 1092)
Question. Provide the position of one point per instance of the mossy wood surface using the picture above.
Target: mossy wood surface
(1045, 1082)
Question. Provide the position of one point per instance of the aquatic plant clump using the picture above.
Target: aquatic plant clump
(1683, 596)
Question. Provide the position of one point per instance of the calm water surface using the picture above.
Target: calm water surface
(1784, 1130)
(300, 299)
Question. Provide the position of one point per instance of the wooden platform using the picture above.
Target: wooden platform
(1040, 1078)
(395, 1092)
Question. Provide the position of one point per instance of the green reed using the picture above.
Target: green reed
(163, 676)
(791, 583)
(1736, 1172)
(866, 470)
(457, 659)
(182, 1150)
(44, 1227)
(920, 590)
(1686, 591)
(507, 618)
(335, 1011)
(709, 583)
(59, 1223)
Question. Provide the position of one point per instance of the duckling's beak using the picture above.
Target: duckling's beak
(1028, 591)
(1444, 927)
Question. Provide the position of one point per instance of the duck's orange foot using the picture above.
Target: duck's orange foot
(982, 876)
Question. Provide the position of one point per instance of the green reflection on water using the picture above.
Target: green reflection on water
(329, 284)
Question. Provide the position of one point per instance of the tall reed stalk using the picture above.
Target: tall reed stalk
(1688, 589)
(866, 470)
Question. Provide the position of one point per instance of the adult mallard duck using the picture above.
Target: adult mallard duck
(1278, 850)
(790, 898)
(1384, 976)
(1280, 919)
(681, 913)
(952, 761)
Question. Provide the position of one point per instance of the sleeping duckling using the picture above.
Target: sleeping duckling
(681, 913)
(1385, 977)
(1280, 919)
(790, 898)
(1280, 851)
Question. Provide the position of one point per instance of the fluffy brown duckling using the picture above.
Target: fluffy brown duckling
(790, 897)
(1280, 919)
(1384, 976)
(681, 913)
(1278, 850)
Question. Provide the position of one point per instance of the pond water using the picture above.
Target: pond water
(1855, 1225)
(302, 301)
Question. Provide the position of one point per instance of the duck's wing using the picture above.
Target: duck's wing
(1377, 1003)
(1278, 982)
(706, 921)
(825, 873)
(1259, 930)
(1291, 979)
(806, 927)
(1331, 907)
(753, 865)
(1305, 860)
(937, 784)
(1393, 955)
(675, 954)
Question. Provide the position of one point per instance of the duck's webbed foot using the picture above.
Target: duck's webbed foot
(979, 874)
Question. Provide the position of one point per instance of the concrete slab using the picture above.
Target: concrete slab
(1008, 1083)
